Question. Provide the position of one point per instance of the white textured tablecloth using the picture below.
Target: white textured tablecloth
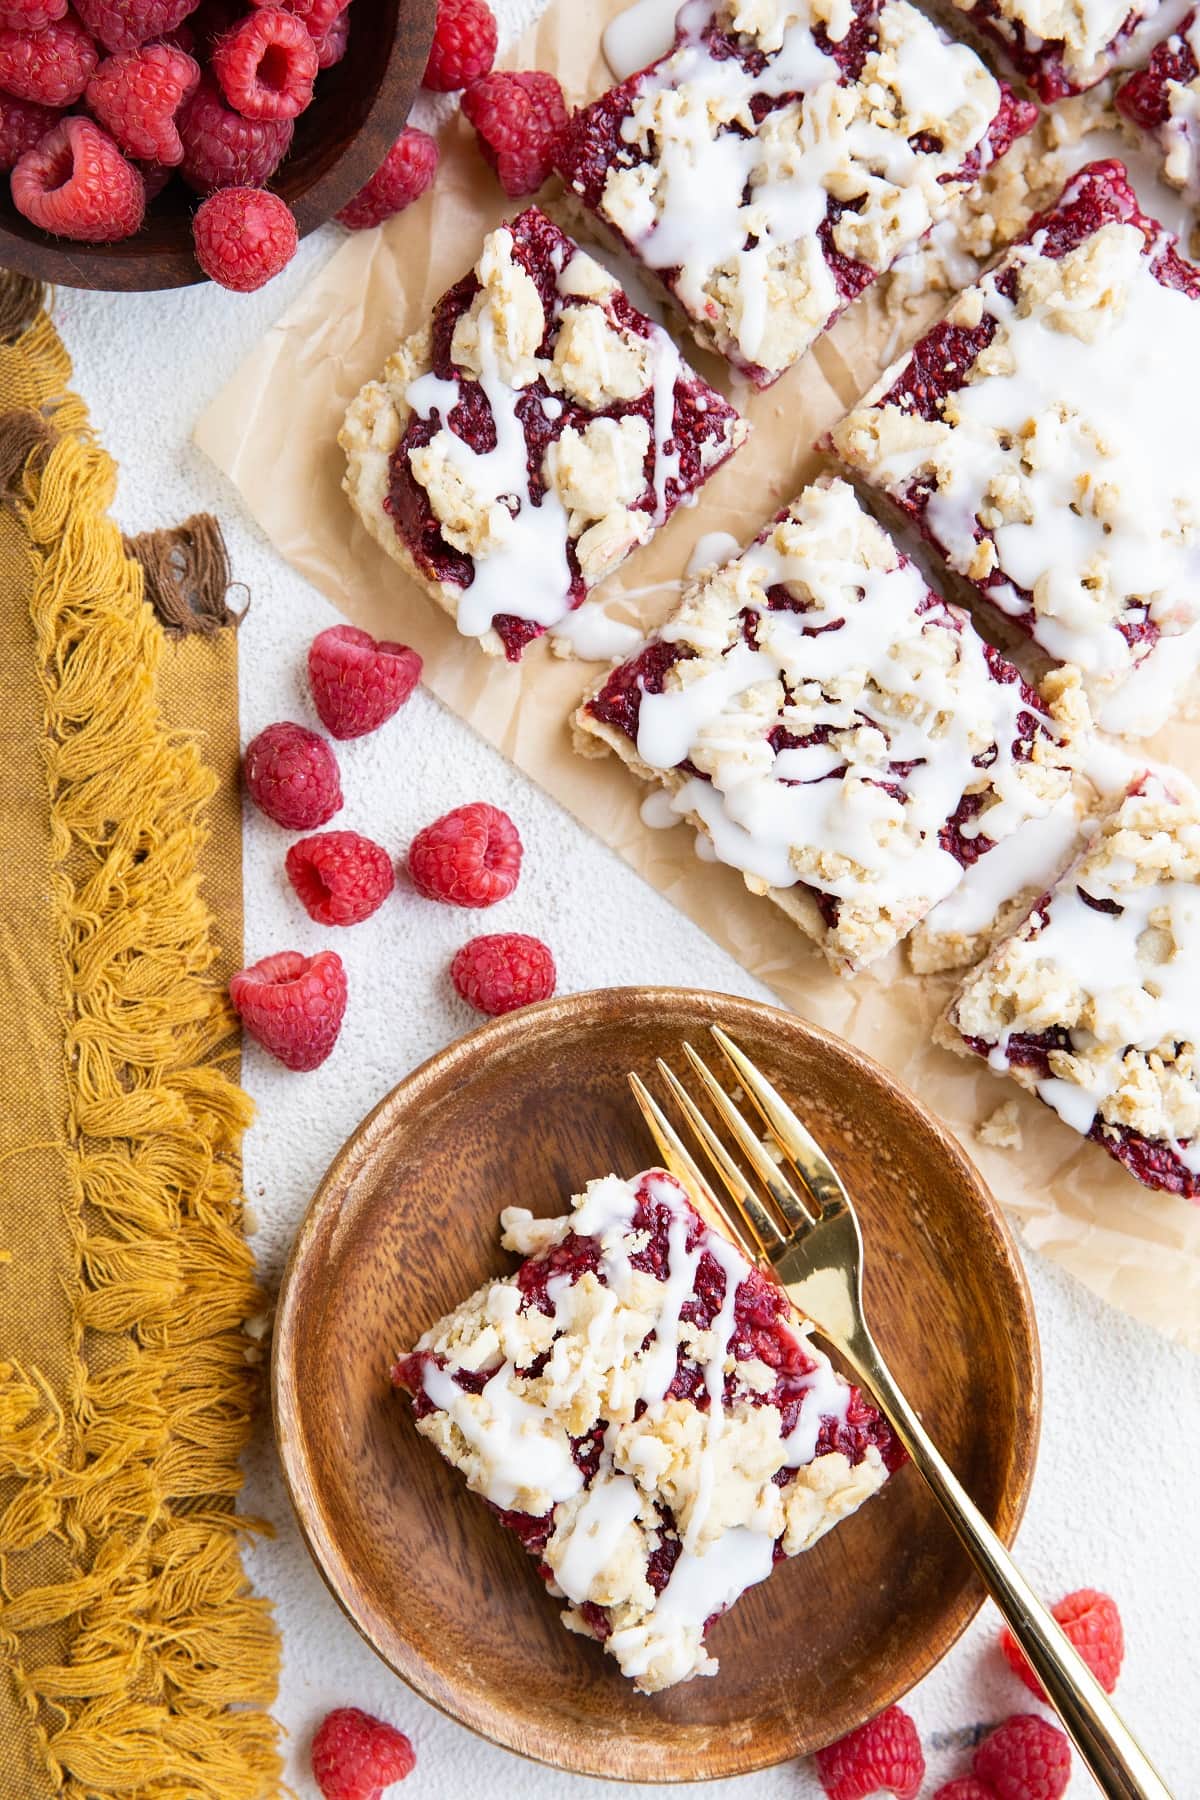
(1116, 1500)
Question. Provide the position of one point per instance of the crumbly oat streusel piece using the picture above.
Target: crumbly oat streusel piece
(835, 730)
(1094, 1003)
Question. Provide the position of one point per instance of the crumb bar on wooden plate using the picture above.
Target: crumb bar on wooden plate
(1042, 438)
(1088, 1004)
(783, 156)
(517, 449)
(643, 1409)
(835, 729)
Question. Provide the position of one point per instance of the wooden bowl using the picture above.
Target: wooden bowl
(359, 109)
(404, 1225)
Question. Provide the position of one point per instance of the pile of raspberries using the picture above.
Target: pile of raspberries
(471, 857)
(103, 102)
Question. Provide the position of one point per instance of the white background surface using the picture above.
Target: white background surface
(1117, 1493)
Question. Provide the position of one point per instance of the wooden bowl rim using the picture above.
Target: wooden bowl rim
(356, 1154)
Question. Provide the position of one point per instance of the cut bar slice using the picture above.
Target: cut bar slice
(1164, 99)
(1061, 49)
(516, 450)
(1089, 1004)
(784, 155)
(644, 1410)
(1043, 439)
(835, 730)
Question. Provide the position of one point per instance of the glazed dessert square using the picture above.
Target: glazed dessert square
(537, 431)
(783, 156)
(834, 729)
(1089, 1003)
(645, 1412)
(1163, 99)
(1061, 49)
(1042, 439)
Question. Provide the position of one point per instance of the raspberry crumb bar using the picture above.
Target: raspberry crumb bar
(1042, 439)
(836, 730)
(1062, 49)
(644, 1411)
(784, 155)
(520, 447)
(1087, 1003)
(1164, 100)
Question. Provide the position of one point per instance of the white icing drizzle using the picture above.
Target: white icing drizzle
(734, 213)
(639, 35)
(518, 1445)
(711, 549)
(1072, 445)
(886, 682)
(1026, 862)
(594, 635)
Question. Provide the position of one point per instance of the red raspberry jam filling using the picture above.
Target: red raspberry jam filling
(701, 418)
(1145, 99)
(593, 141)
(762, 1329)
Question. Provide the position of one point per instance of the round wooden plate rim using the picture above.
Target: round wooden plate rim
(335, 1188)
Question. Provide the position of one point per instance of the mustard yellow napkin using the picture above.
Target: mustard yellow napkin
(134, 1661)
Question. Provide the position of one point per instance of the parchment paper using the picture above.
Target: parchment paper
(273, 431)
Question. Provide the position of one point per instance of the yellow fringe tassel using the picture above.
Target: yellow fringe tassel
(172, 1660)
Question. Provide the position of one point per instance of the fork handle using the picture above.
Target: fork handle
(1108, 1749)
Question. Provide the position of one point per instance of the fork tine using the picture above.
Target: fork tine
(795, 1210)
(678, 1160)
(794, 1139)
(755, 1216)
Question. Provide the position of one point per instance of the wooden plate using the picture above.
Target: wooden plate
(404, 1225)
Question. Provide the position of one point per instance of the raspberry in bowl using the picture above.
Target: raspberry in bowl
(315, 159)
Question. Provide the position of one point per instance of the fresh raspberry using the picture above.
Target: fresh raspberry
(966, 1787)
(402, 177)
(317, 16)
(518, 120)
(77, 184)
(340, 877)
(221, 149)
(507, 969)
(468, 857)
(23, 125)
(1091, 1621)
(292, 775)
(266, 65)
(357, 683)
(31, 15)
(243, 236)
(136, 95)
(882, 1757)
(155, 177)
(1025, 1759)
(124, 24)
(293, 1004)
(211, 20)
(331, 44)
(464, 45)
(354, 1757)
(51, 66)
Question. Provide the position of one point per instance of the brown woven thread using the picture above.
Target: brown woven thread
(21, 433)
(22, 298)
(187, 574)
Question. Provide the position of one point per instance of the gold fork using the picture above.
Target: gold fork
(807, 1236)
